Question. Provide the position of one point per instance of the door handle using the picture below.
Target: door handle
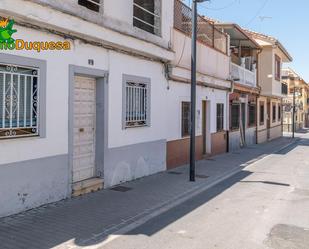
(81, 129)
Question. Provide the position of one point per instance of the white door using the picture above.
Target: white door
(84, 128)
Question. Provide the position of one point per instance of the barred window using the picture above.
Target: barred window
(252, 114)
(19, 101)
(136, 104)
(91, 4)
(279, 112)
(185, 118)
(235, 114)
(146, 15)
(274, 112)
(220, 117)
(262, 113)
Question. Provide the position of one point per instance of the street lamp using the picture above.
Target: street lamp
(193, 88)
(294, 109)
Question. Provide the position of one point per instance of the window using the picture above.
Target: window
(277, 68)
(220, 117)
(185, 118)
(279, 112)
(90, 4)
(19, 101)
(136, 101)
(235, 113)
(252, 114)
(146, 15)
(262, 113)
(274, 112)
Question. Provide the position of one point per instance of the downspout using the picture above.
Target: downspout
(257, 97)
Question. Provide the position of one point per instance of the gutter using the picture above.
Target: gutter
(200, 83)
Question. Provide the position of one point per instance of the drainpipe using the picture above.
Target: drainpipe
(257, 97)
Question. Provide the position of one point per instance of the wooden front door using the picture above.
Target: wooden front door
(84, 128)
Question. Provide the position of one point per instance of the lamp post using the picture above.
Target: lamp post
(193, 89)
(294, 96)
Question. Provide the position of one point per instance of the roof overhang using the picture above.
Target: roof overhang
(238, 35)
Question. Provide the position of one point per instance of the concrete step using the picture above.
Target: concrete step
(87, 186)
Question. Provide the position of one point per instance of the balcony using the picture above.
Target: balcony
(207, 33)
(243, 76)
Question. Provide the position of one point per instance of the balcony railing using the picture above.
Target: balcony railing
(243, 75)
(206, 32)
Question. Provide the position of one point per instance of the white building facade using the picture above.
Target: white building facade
(73, 119)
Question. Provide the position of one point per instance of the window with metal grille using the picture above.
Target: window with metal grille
(252, 114)
(19, 101)
(91, 4)
(220, 117)
(262, 113)
(146, 15)
(136, 101)
(235, 114)
(185, 118)
(274, 112)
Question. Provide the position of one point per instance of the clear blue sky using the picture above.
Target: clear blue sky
(288, 21)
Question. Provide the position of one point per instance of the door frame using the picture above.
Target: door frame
(204, 126)
(269, 116)
(101, 142)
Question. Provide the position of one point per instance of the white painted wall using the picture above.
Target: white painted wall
(122, 64)
(119, 34)
(179, 92)
(209, 61)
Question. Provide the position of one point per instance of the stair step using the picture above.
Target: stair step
(87, 186)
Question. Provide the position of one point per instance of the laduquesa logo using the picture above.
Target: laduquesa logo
(6, 31)
(7, 41)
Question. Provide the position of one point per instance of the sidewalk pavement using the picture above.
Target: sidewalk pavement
(89, 220)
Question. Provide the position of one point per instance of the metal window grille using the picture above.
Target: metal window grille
(252, 114)
(19, 101)
(274, 112)
(235, 115)
(185, 118)
(220, 117)
(91, 4)
(262, 113)
(145, 16)
(206, 32)
(136, 104)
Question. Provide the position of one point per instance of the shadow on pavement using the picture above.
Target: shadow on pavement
(156, 224)
(82, 219)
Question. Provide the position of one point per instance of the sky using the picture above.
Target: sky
(288, 21)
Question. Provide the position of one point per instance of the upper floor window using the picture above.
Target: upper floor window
(19, 101)
(91, 4)
(146, 15)
(277, 68)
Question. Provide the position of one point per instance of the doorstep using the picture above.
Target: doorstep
(87, 186)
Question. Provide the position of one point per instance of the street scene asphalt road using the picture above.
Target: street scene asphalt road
(266, 205)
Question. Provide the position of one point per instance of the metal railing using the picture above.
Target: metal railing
(243, 75)
(136, 104)
(19, 101)
(206, 32)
